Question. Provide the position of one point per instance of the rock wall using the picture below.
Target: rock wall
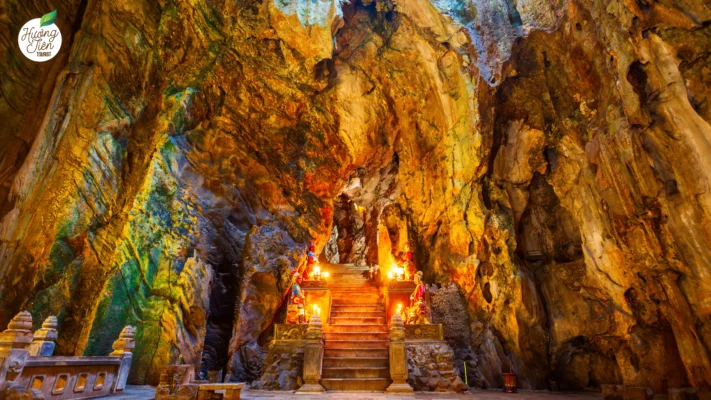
(283, 368)
(430, 368)
(550, 158)
(596, 188)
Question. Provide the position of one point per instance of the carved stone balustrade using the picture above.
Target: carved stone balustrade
(28, 371)
(44, 339)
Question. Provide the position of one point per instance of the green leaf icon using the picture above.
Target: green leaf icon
(48, 19)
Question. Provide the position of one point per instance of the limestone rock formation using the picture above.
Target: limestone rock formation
(551, 159)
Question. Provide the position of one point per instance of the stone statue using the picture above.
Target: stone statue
(295, 312)
(310, 260)
(418, 313)
(408, 265)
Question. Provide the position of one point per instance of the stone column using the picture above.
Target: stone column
(44, 338)
(313, 358)
(122, 348)
(14, 344)
(398, 357)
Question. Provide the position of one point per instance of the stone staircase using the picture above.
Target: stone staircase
(357, 337)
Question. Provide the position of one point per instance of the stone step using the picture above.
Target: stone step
(357, 314)
(352, 372)
(356, 362)
(365, 307)
(357, 320)
(356, 352)
(352, 292)
(360, 283)
(357, 299)
(373, 307)
(345, 271)
(355, 344)
(346, 287)
(339, 279)
(335, 328)
(356, 384)
(357, 336)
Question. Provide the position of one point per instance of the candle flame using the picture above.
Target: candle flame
(325, 274)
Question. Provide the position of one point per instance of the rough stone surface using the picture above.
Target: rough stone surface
(551, 158)
(283, 368)
(431, 368)
(450, 309)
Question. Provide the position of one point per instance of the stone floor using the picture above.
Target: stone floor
(483, 395)
(146, 393)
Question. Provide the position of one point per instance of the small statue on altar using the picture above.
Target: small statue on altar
(295, 310)
(407, 265)
(418, 313)
(311, 260)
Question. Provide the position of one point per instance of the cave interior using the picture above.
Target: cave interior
(547, 164)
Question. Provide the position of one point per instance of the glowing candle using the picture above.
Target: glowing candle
(325, 274)
(398, 272)
(317, 272)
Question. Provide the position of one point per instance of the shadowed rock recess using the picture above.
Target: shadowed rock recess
(549, 161)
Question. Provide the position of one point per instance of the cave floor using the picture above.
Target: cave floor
(484, 395)
(147, 392)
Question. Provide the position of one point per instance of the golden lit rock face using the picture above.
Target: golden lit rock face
(169, 167)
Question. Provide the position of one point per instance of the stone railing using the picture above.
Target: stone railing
(29, 371)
